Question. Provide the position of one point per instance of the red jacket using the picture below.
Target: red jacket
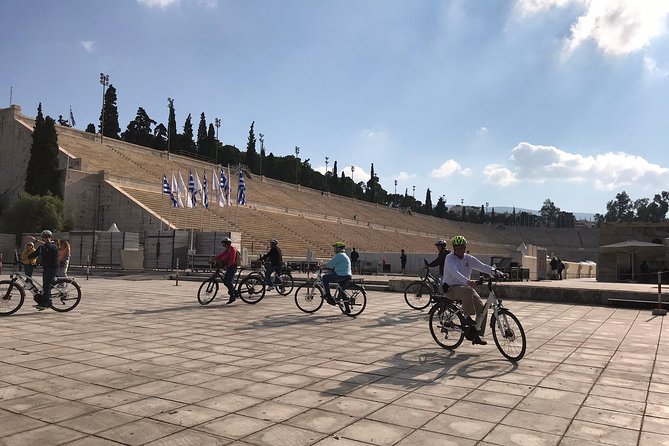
(228, 257)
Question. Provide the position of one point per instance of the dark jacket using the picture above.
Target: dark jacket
(274, 255)
(48, 255)
(354, 256)
(441, 258)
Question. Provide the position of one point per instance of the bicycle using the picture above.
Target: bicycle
(282, 280)
(251, 289)
(65, 293)
(420, 293)
(447, 324)
(350, 296)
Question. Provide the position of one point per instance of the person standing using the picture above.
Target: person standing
(275, 263)
(354, 260)
(403, 261)
(560, 268)
(48, 255)
(28, 263)
(228, 260)
(554, 267)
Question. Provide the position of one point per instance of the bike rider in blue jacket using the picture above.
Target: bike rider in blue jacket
(341, 266)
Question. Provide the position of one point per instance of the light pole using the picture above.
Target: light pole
(413, 194)
(170, 106)
(352, 182)
(262, 150)
(217, 123)
(104, 80)
(327, 159)
(297, 152)
(395, 187)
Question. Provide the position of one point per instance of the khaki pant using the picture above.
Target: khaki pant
(471, 302)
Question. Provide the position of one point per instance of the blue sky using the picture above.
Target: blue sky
(499, 102)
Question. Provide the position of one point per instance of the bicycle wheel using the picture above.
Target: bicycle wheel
(207, 291)
(11, 297)
(286, 286)
(65, 294)
(252, 288)
(509, 335)
(446, 323)
(417, 295)
(309, 297)
(355, 298)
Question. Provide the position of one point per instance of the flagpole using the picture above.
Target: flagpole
(162, 193)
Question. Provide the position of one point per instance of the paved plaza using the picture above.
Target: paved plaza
(140, 362)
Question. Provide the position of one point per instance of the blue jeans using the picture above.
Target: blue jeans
(332, 278)
(268, 274)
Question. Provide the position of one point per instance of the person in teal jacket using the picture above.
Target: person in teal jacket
(341, 266)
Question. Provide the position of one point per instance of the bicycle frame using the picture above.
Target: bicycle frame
(25, 282)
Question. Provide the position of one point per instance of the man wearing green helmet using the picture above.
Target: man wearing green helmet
(341, 266)
(458, 268)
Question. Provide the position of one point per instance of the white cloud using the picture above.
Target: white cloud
(403, 176)
(652, 67)
(617, 27)
(88, 45)
(499, 175)
(450, 168)
(359, 173)
(160, 4)
(608, 171)
(482, 131)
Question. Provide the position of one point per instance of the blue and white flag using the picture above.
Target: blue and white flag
(166, 186)
(241, 190)
(225, 190)
(72, 123)
(176, 199)
(192, 189)
(205, 191)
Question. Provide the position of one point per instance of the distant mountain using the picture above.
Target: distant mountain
(503, 209)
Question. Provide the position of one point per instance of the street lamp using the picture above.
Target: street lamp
(217, 123)
(104, 80)
(170, 106)
(413, 194)
(327, 159)
(262, 150)
(352, 182)
(297, 152)
(395, 187)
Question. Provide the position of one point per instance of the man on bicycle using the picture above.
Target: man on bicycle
(228, 259)
(457, 277)
(341, 266)
(441, 256)
(48, 256)
(275, 263)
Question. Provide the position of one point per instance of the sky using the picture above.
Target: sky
(502, 102)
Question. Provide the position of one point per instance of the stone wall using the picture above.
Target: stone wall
(15, 141)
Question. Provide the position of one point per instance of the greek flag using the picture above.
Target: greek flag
(166, 186)
(182, 191)
(205, 191)
(225, 190)
(192, 189)
(176, 198)
(241, 190)
(72, 123)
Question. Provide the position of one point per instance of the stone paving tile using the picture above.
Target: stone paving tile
(158, 368)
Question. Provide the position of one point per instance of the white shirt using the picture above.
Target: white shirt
(457, 271)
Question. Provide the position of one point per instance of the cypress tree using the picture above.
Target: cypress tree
(186, 141)
(202, 136)
(111, 127)
(428, 202)
(42, 172)
(171, 125)
(251, 154)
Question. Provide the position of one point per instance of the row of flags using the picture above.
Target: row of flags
(220, 187)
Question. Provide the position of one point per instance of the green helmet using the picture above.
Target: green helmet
(339, 246)
(458, 240)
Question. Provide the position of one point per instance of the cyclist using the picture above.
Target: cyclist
(228, 259)
(275, 262)
(457, 278)
(341, 266)
(48, 257)
(441, 256)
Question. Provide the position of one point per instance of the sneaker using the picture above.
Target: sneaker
(270, 287)
(330, 300)
(40, 307)
(231, 300)
(478, 341)
(347, 308)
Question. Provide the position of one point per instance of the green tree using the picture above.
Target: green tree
(186, 143)
(90, 128)
(427, 209)
(482, 214)
(251, 154)
(171, 125)
(110, 126)
(372, 186)
(211, 141)
(160, 137)
(42, 176)
(549, 212)
(139, 130)
(619, 210)
(440, 208)
(32, 213)
(202, 136)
